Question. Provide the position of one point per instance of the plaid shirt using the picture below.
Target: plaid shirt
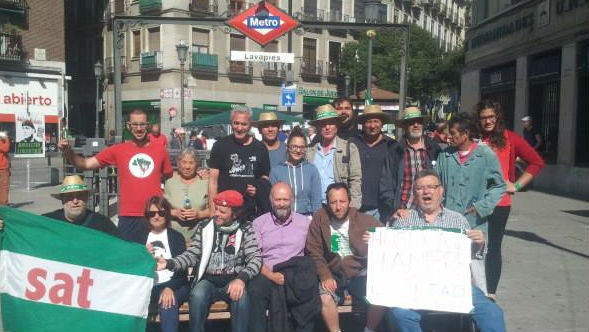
(413, 163)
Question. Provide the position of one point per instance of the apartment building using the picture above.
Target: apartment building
(151, 71)
(533, 57)
(32, 65)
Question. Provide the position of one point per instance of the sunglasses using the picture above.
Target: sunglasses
(151, 214)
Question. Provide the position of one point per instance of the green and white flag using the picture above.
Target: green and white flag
(55, 276)
(368, 100)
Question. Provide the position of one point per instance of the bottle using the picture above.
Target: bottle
(187, 204)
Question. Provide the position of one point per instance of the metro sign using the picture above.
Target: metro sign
(263, 23)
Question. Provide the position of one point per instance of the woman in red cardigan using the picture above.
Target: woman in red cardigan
(508, 146)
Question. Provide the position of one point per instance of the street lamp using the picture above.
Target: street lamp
(347, 80)
(371, 15)
(98, 75)
(182, 50)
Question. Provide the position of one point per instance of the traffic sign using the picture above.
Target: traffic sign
(287, 97)
(263, 23)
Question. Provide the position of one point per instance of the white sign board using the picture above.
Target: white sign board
(419, 269)
(20, 94)
(262, 56)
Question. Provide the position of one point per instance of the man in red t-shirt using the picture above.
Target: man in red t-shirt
(155, 136)
(141, 166)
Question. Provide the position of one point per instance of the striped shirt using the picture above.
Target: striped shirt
(415, 160)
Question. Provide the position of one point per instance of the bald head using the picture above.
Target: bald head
(281, 200)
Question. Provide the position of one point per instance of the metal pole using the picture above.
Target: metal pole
(97, 106)
(118, 42)
(403, 76)
(289, 47)
(371, 34)
(181, 92)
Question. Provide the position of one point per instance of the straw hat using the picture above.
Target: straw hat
(410, 113)
(325, 112)
(265, 118)
(71, 184)
(373, 112)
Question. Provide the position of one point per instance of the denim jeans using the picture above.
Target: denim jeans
(132, 228)
(203, 294)
(169, 317)
(374, 213)
(486, 313)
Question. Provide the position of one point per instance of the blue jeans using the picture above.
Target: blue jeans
(374, 213)
(169, 316)
(133, 228)
(203, 294)
(486, 313)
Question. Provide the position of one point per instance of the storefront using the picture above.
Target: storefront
(312, 98)
(203, 108)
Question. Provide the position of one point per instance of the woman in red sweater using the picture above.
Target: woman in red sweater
(508, 146)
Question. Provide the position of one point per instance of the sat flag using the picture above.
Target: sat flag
(56, 276)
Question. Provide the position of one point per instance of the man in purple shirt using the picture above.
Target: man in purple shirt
(281, 235)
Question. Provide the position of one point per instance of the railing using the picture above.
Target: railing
(20, 4)
(109, 65)
(150, 6)
(10, 47)
(204, 6)
(333, 68)
(273, 70)
(204, 62)
(312, 14)
(309, 67)
(241, 67)
(151, 61)
(335, 16)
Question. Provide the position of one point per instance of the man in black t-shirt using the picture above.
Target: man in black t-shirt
(241, 163)
(531, 134)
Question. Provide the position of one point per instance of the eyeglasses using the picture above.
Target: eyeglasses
(429, 187)
(138, 124)
(296, 147)
(151, 214)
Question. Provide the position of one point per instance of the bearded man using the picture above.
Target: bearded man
(281, 235)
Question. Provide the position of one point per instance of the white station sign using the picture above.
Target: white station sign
(262, 56)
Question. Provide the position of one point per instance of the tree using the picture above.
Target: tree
(429, 71)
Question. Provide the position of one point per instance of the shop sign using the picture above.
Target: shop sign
(317, 92)
(31, 94)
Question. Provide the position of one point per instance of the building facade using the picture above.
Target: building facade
(533, 57)
(32, 66)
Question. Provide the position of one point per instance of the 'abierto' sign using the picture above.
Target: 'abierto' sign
(419, 269)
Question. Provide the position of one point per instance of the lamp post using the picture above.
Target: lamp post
(182, 50)
(347, 80)
(98, 75)
(371, 9)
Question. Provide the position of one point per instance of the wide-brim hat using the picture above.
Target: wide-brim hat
(325, 112)
(374, 112)
(72, 184)
(265, 118)
(410, 113)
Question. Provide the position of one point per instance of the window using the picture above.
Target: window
(237, 43)
(136, 46)
(236, 6)
(271, 47)
(309, 64)
(335, 53)
(200, 41)
(154, 39)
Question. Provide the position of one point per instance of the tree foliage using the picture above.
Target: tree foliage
(430, 71)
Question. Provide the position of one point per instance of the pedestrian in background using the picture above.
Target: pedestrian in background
(4, 168)
(508, 146)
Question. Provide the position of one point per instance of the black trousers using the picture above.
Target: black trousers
(494, 262)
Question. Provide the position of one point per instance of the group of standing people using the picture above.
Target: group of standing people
(268, 210)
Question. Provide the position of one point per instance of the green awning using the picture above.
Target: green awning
(146, 105)
(311, 100)
(223, 118)
(214, 105)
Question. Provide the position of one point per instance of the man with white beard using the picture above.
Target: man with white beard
(413, 153)
(281, 235)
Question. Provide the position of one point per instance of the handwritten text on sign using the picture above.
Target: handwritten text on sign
(419, 269)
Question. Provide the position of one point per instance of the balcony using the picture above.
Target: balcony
(335, 16)
(311, 14)
(201, 8)
(14, 12)
(109, 66)
(240, 71)
(11, 48)
(436, 6)
(150, 7)
(151, 61)
(204, 65)
(311, 70)
(333, 71)
(273, 73)
(427, 3)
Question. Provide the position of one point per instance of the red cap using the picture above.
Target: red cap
(230, 198)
